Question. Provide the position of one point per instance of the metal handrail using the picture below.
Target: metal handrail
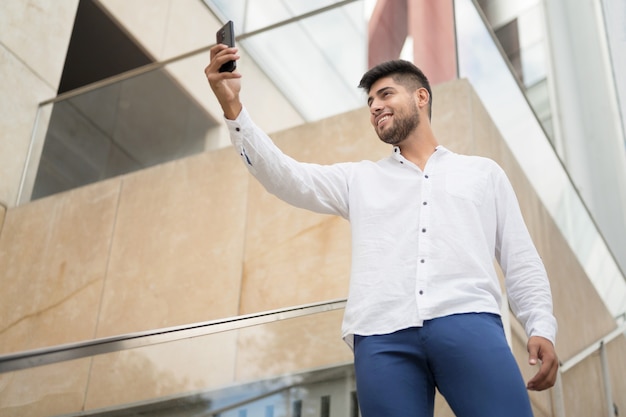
(599, 345)
(70, 351)
(60, 353)
(592, 348)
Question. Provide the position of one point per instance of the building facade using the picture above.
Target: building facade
(124, 210)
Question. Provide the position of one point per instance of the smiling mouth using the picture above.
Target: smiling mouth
(383, 119)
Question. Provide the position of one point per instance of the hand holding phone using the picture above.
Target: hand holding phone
(226, 35)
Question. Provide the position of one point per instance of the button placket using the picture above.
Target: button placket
(424, 241)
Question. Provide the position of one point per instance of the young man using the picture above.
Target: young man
(423, 309)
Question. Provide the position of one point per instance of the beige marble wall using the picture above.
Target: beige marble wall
(175, 256)
(198, 239)
(33, 42)
(53, 258)
(156, 25)
(157, 248)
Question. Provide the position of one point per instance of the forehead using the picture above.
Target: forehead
(383, 83)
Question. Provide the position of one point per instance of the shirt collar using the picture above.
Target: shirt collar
(397, 154)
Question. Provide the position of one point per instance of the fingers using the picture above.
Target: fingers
(541, 350)
(533, 351)
(221, 54)
(545, 378)
(225, 85)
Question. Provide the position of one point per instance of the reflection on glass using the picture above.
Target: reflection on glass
(614, 13)
(481, 63)
(315, 62)
(520, 30)
(249, 15)
(119, 128)
(293, 364)
(162, 115)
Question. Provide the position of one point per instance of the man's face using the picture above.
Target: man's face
(393, 111)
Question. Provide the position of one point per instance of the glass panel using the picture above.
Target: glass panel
(249, 15)
(37, 142)
(481, 63)
(120, 128)
(520, 29)
(614, 13)
(302, 71)
(315, 62)
(318, 63)
(234, 10)
(257, 371)
(533, 44)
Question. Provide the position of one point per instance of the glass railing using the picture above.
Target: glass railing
(481, 62)
(260, 364)
(317, 60)
(165, 110)
(286, 362)
(118, 128)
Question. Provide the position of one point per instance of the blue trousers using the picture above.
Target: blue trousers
(464, 356)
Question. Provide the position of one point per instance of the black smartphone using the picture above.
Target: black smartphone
(226, 35)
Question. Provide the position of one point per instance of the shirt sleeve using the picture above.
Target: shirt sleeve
(526, 279)
(319, 188)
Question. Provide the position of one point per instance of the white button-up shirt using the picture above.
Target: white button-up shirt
(423, 242)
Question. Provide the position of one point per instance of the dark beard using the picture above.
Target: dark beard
(403, 125)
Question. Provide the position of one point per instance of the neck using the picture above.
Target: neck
(418, 147)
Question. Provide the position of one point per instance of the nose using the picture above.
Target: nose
(375, 107)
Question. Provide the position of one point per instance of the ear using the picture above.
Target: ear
(422, 97)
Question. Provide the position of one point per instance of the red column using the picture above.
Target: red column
(387, 30)
(430, 23)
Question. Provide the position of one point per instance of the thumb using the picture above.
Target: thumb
(533, 353)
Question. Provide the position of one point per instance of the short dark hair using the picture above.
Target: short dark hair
(403, 72)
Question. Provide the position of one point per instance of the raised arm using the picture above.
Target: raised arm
(225, 85)
(319, 188)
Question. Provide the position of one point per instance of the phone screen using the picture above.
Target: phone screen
(226, 35)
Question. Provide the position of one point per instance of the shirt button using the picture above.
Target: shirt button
(237, 129)
(423, 230)
(425, 203)
(426, 176)
(402, 162)
(422, 260)
(421, 292)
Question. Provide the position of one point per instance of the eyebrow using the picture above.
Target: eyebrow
(378, 93)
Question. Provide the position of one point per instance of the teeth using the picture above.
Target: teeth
(382, 119)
